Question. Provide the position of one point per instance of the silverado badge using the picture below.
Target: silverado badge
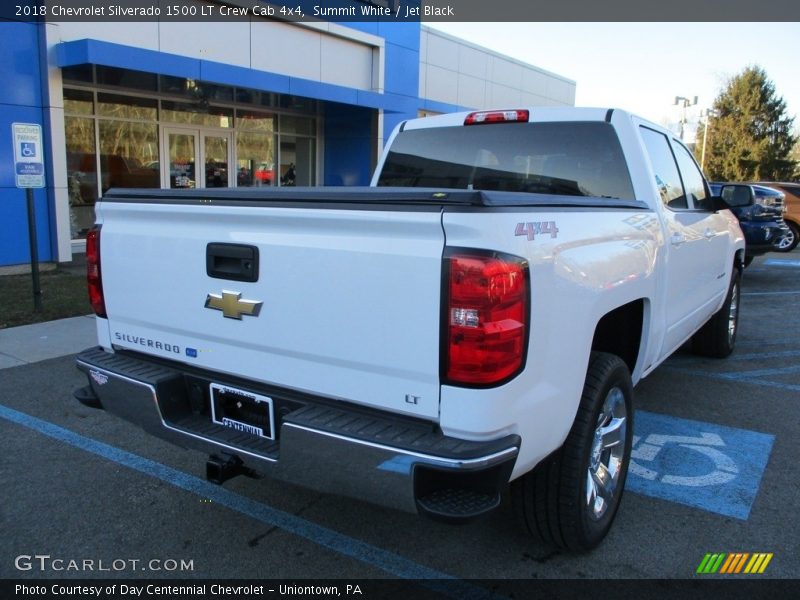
(232, 305)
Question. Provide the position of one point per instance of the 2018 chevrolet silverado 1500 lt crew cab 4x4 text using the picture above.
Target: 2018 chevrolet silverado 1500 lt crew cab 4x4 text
(478, 315)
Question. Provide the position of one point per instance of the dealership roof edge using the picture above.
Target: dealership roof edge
(90, 51)
(483, 49)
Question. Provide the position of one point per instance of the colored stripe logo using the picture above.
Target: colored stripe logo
(734, 563)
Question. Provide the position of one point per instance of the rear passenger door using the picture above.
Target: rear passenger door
(710, 226)
(695, 238)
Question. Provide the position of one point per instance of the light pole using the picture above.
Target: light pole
(707, 113)
(684, 103)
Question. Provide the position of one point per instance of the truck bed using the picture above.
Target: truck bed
(352, 197)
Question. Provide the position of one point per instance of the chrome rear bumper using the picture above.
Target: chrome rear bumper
(331, 447)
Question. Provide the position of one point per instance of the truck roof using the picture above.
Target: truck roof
(537, 114)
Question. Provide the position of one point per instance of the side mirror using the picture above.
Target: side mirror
(718, 204)
(736, 195)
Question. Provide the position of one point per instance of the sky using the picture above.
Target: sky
(641, 67)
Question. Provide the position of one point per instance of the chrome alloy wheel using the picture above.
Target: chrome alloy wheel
(607, 455)
(733, 313)
(784, 243)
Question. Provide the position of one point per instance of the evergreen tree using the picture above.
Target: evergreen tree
(751, 138)
(794, 155)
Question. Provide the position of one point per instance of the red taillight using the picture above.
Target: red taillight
(497, 116)
(486, 318)
(93, 277)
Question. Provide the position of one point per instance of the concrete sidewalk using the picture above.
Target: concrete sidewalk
(40, 341)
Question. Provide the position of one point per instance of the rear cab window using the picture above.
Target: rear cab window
(564, 158)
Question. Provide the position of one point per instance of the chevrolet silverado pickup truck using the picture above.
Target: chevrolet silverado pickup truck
(479, 315)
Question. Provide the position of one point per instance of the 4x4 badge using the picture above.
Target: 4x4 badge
(232, 305)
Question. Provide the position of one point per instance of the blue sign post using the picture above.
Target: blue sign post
(29, 169)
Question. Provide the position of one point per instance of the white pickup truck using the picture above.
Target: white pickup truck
(478, 315)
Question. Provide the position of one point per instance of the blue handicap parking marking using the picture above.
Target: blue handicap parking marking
(707, 466)
(778, 262)
(755, 377)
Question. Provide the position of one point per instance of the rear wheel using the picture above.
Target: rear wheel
(717, 338)
(571, 498)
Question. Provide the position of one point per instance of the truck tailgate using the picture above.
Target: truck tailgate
(350, 299)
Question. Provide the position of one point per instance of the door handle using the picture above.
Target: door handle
(237, 262)
(677, 239)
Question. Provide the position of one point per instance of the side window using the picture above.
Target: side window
(693, 180)
(668, 180)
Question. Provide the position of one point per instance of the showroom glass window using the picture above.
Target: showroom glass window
(256, 155)
(79, 129)
(119, 123)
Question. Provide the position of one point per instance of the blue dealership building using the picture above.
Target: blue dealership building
(231, 103)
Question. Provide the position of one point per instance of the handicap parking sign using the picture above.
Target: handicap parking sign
(27, 149)
(708, 466)
(28, 162)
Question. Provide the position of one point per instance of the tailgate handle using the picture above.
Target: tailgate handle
(237, 262)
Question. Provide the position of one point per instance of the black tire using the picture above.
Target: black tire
(552, 501)
(717, 338)
(789, 243)
(748, 259)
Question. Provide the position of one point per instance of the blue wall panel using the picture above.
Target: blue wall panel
(14, 245)
(20, 102)
(19, 64)
(348, 145)
(392, 120)
(402, 70)
(401, 34)
(80, 52)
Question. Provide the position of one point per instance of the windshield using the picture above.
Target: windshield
(572, 159)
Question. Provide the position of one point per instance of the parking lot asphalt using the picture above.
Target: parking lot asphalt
(714, 470)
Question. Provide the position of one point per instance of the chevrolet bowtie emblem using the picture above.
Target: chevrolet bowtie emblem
(232, 305)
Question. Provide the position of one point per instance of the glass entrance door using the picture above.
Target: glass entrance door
(196, 158)
(216, 159)
(181, 152)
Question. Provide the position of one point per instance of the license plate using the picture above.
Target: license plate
(242, 411)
